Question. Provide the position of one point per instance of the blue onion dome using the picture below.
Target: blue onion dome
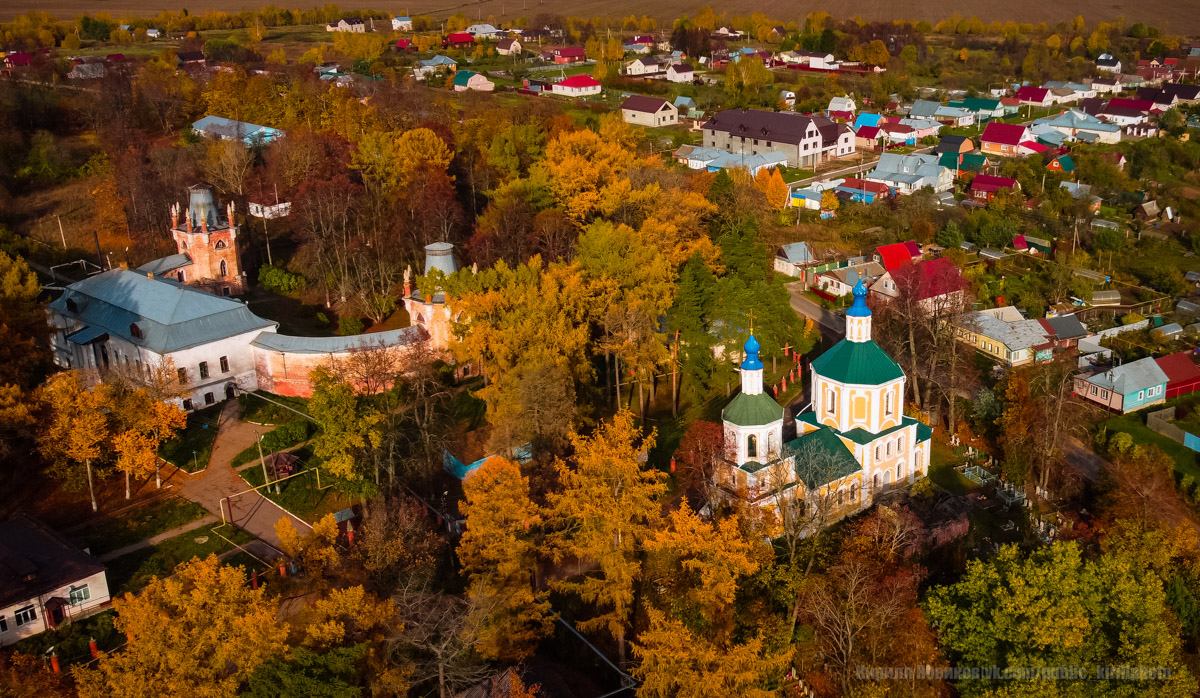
(859, 307)
(751, 362)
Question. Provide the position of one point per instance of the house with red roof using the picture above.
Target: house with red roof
(984, 187)
(458, 40)
(577, 86)
(936, 285)
(855, 189)
(900, 254)
(1142, 105)
(1034, 96)
(1005, 139)
(897, 133)
(569, 54)
(18, 59)
(1183, 376)
(867, 137)
(405, 45)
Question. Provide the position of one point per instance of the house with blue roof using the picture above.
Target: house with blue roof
(867, 119)
(853, 441)
(1078, 125)
(793, 258)
(905, 174)
(433, 66)
(220, 128)
(1125, 388)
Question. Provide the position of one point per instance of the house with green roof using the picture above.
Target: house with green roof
(852, 442)
(470, 80)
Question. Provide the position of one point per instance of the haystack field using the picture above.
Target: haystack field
(1172, 16)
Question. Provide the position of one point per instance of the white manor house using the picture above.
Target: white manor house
(852, 441)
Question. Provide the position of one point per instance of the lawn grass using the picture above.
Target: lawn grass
(192, 447)
(795, 174)
(139, 524)
(300, 495)
(132, 572)
(259, 411)
(1134, 425)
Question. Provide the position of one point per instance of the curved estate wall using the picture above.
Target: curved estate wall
(282, 363)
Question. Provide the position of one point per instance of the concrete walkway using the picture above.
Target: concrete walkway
(210, 488)
(155, 540)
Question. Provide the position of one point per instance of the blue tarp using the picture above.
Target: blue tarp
(521, 454)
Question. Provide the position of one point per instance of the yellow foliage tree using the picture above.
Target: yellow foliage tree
(498, 553)
(389, 160)
(771, 184)
(315, 550)
(75, 429)
(606, 510)
(676, 663)
(344, 615)
(579, 164)
(201, 632)
(704, 562)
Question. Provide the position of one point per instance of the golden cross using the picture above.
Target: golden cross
(750, 314)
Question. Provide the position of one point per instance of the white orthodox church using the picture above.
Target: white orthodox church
(852, 442)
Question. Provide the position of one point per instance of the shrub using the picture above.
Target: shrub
(279, 280)
(349, 326)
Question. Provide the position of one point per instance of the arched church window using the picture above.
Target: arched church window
(220, 245)
(899, 471)
(887, 405)
(751, 446)
(878, 452)
(831, 401)
(854, 493)
(900, 444)
(771, 445)
(889, 448)
(179, 275)
(224, 269)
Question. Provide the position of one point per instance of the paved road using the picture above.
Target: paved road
(832, 326)
(854, 169)
(250, 511)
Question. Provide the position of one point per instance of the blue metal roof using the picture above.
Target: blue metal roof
(169, 316)
(162, 265)
(337, 345)
(87, 334)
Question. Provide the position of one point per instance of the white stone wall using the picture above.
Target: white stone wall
(97, 586)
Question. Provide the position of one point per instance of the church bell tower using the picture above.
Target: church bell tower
(209, 239)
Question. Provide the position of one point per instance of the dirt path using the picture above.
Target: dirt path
(219, 486)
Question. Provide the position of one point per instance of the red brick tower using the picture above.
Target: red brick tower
(209, 239)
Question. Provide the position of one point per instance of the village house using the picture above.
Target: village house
(484, 31)
(793, 259)
(1005, 139)
(869, 138)
(805, 140)
(681, 72)
(862, 191)
(936, 285)
(714, 159)
(1105, 85)
(906, 174)
(1034, 96)
(954, 144)
(465, 80)
(648, 111)
(1004, 334)
(220, 128)
(649, 65)
(1108, 63)
(577, 86)
(898, 134)
(1082, 192)
(569, 54)
(1125, 388)
(351, 24)
(959, 163)
(836, 283)
(1082, 126)
(985, 187)
(853, 441)
(810, 197)
(923, 128)
(898, 254)
(458, 40)
(402, 24)
(434, 66)
(45, 582)
(508, 47)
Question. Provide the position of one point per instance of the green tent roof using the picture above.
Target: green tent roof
(858, 363)
(970, 161)
(752, 410)
(821, 458)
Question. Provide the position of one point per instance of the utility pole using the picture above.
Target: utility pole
(674, 372)
(62, 234)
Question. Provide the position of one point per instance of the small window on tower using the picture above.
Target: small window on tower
(224, 269)
(220, 245)
(831, 401)
(887, 405)
(751, 446)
